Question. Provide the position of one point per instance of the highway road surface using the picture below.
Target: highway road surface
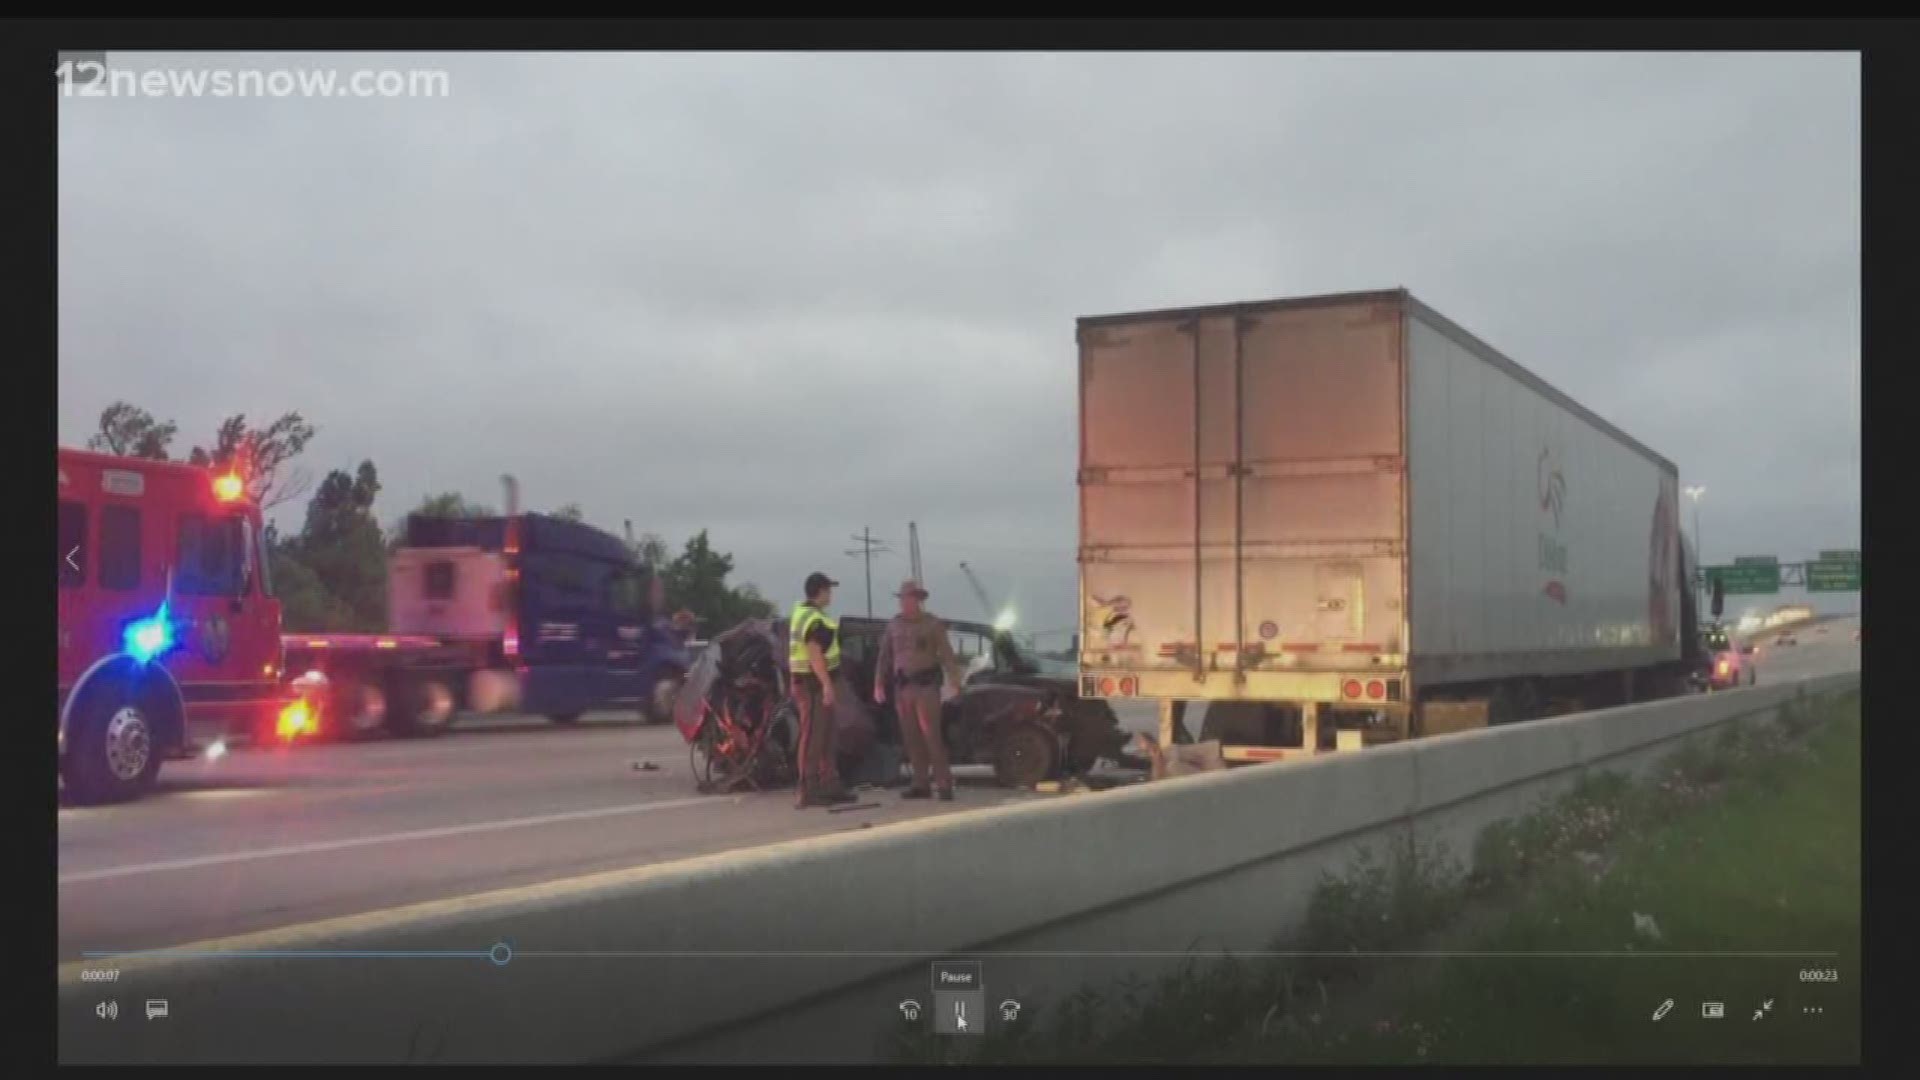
(271, 838)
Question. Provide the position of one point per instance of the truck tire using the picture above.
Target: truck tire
(421, 709)
(565, 717)
(1024, 755)
(361, 712)
(113, 753)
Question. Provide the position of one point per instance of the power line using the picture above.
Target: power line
(869, 547)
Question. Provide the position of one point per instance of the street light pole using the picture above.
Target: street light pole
(1699, 548)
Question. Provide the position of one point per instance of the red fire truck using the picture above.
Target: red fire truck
(169, 632)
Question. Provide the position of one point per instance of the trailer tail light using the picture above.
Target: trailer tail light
(1376, 690)
(1351, 689)
(1129, 686)
(1106, 687)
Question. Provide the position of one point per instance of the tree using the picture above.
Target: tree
(261, 455)
(651, 551)
(340, 503)
(697, 580)
(333, 576)
(571, 512)
(130, 431)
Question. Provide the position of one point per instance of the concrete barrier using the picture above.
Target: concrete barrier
(800, 950)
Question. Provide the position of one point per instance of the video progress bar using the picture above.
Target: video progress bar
(500, 954)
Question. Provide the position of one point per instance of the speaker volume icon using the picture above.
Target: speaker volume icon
(107, 1010)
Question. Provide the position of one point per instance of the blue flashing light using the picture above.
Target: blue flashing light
(148, 638)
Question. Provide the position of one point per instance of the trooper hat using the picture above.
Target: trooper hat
(817, 581)
(910, 587)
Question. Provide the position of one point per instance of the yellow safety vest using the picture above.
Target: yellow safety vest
(798, 624)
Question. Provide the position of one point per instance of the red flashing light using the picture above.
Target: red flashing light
(1352, 688)
(227, 488)
(1129, 686)
(1376, 689)
(511, 644)
(1106, 687)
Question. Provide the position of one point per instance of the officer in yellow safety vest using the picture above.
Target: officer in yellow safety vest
(813, 659)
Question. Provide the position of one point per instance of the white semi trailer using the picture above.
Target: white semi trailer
(1343, 519)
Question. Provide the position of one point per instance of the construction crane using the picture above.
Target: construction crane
(979, 592)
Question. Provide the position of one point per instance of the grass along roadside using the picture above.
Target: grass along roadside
(1743, 843)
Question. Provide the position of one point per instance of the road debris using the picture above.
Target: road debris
(1169, 761)
(852, 808)
(1069, 786)
(645, 766)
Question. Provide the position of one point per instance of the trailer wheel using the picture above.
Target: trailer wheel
(423, 709)
(362, 709)
(112, 752)
(1024, 755)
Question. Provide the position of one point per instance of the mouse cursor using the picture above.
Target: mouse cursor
(960, 1015)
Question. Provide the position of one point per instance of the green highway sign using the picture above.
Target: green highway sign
(1840, 556)
(1748, 579)
(1756, 560)
(1833, 575)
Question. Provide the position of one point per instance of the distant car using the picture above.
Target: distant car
(1786, 639)
(1732, 664)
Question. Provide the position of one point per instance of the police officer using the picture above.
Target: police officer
(813, 659)
(914, 653)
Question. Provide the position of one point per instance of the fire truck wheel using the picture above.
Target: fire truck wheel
(424, 708)
(112, 753)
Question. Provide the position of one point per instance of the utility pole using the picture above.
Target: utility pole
(869, 547)
(913, 550)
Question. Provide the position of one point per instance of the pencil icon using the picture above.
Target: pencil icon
(1665, 1007)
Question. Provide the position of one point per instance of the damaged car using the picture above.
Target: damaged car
(1029, 724)
(1026, 722)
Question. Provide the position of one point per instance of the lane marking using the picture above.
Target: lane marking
(229, 857)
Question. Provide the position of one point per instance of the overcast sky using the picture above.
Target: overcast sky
(852, 279)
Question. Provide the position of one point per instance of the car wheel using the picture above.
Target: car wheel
(112, 754)
(1025, 755)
